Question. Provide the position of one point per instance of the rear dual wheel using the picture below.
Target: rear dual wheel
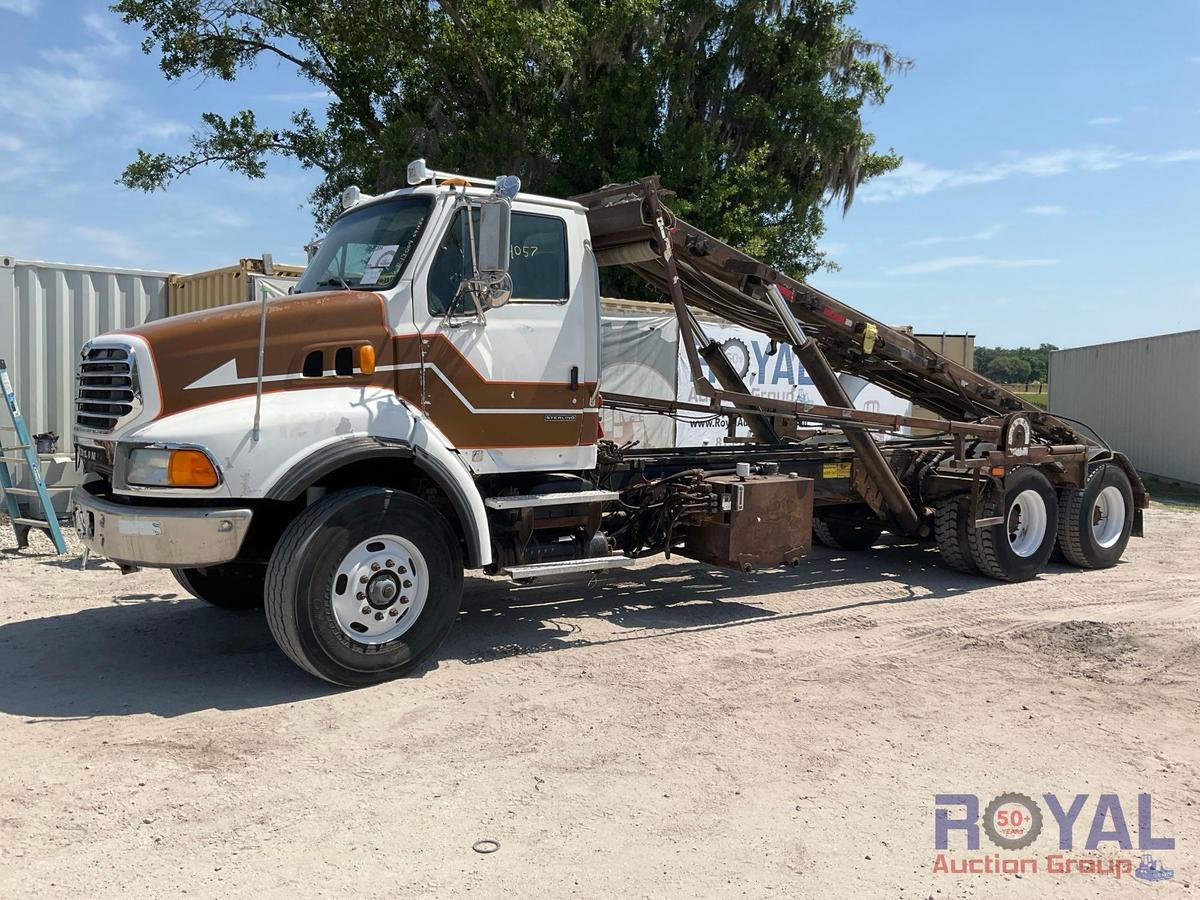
(1016, 548)
(952, 532)
(1019, 546)
(1094, 524)
(846, 534)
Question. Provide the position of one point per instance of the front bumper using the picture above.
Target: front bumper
(159, 536)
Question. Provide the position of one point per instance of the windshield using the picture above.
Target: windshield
(367, 248)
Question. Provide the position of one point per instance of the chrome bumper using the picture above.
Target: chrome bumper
(158, 536)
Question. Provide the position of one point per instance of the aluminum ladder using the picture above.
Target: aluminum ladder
(23, 453)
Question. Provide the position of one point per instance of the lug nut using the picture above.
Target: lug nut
(392, 612)
(378, 617)
(403, 599)
(374, 567)
(407, 583)
(362, 580)
(390, 563)
(366, 610)
(361, 596)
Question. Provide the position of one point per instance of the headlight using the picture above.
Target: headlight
(154, 467)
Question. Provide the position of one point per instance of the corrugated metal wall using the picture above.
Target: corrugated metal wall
(48, 311)
(1141, 396)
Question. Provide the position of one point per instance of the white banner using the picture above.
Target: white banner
(778, 375)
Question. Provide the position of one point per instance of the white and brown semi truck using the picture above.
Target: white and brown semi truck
(428, 401)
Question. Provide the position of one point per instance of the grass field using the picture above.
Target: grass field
(1172, 494)
(1035, 399)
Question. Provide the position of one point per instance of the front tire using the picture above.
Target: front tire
(1094, 523)
(1019, 547)
(364, 585)
(229, 586)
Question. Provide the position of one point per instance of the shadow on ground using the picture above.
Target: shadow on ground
(169, 654)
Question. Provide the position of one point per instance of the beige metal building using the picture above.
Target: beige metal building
(1141, 396)
(959, 348)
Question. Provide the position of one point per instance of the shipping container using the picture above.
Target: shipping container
(48, 311)
(238, 283)
(1139, 395)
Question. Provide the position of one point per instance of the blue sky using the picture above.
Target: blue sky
(1050, 191)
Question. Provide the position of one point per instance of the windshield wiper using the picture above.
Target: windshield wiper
(334, 282)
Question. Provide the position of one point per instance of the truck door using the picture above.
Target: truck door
(514, 390)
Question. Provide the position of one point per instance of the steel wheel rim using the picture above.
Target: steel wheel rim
(1108, 516)
(379, 589)
(1026, 523)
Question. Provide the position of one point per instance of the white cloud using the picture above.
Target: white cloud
(108, 244)
(1180, 156)
(146, 129)
(102, 27)
(985, 234)
(916, 178)
(1047, 209)
(23, 163)
(1104, 120)
(945, 263)
(298, 96)
(45, 238)
(21, 7)
(66, 92)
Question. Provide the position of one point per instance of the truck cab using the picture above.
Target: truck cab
(444, 337)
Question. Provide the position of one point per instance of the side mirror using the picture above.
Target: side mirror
(495, 220)
(491, 285)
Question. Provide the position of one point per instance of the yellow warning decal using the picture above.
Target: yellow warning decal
(835, 470)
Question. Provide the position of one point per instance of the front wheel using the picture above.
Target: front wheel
(364, 585)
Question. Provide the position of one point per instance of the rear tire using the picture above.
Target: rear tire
(228, 586)
(364, 585)
(843, 534)
(1018, 548)
(1094, 523)
(952, 532)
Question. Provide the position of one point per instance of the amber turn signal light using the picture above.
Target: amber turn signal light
(366, 359)
(191, 468)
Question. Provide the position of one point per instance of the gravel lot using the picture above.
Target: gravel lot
(669, 731)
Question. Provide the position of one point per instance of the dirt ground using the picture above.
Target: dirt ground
(670, 731)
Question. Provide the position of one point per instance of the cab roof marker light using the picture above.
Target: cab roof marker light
(419, 173)
(352, 196)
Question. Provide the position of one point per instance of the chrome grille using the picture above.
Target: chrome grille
(107, 388)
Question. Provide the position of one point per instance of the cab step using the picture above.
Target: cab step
(565, 498)
(567, 567)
